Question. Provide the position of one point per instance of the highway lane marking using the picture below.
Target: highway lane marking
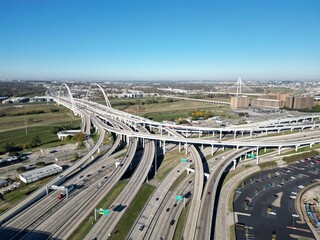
(299, 229)
(243, 214)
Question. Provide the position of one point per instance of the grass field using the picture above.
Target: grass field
(128, 218)
(180, 224)
(17, 195)
(171, 159)
(22, 128)
(173, 110)
(84, 228)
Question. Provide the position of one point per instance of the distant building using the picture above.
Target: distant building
(267, 103)
(239, 102)
(299, 102)
(37, 174)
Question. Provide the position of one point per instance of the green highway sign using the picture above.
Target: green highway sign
(252, 156)
(179, 197)
(249, 155)
(183, 160)
(104, 211)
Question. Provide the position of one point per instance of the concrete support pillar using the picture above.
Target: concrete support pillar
(297, 148)
(213, 133)
(160, 143)
(211, 150)
(265, 149)
(279, 130)
(200, 134)
(179, 146)
(311, 144)
(234, 164)
(222, 148)
(220, 134)
(242, 133)
(143, 142)
(257, 155)
(279, 150)
(251, 135)
(237, 147)
(186, 147)
(235, 134)
(47, 191)
(160, 129)
(266, 132)
(164, 147)
(202, 147)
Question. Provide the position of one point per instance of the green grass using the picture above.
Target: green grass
(180, 223)
(269, 164)
(268, 150)
(302, 149)
(171, 160)
(17, 195)
(174, 110)
(128, 218)
(84, 228)
(232, 232)
(21, 129)
(178, 181)
(293, 158)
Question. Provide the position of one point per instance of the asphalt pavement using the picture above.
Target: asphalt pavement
(254, 203)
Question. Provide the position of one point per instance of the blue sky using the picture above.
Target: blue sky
(160, 39)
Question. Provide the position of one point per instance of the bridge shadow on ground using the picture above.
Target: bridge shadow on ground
(15, 233)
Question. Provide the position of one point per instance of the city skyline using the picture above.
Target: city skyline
(153, 40)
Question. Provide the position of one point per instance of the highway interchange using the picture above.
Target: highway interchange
(45, 217)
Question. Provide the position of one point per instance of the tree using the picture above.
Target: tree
(79, 137)
(21, 169)
(36, 141)
(40, 164)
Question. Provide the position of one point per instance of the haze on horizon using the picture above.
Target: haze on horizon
(160, 40)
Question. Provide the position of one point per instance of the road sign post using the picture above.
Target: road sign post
(104, 211)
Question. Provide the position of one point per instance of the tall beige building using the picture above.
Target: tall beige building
(239, 102)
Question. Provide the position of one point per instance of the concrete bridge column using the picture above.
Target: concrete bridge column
(311, 144)
(251, 133)
(47, 190)
(265, 149)
(242, 133)
(179, 146)
(186, 148)
(234, 164)
(220, 134)
(297, 146)
(222, 148)
(213, 133)
(143, 142)
(237, 147)
(257, 155)
(202, 147)
(164, 147)
(200, 134)
(160, 143)
(279, 150)
(211, 150)
(279, 130)
(266, 132)
(235, 134)
(160, 129)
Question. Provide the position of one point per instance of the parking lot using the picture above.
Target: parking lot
(264, 203)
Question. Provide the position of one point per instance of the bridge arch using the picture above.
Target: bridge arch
(74, 108)
(103, 92)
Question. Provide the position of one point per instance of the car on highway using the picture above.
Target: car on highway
(141, 227)
(88, 175)
(157, 199)
(174, 205)
(209, 193)
(172, 222)
(293, 197)
(103, 166)
(80, 177)
(168, 209)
